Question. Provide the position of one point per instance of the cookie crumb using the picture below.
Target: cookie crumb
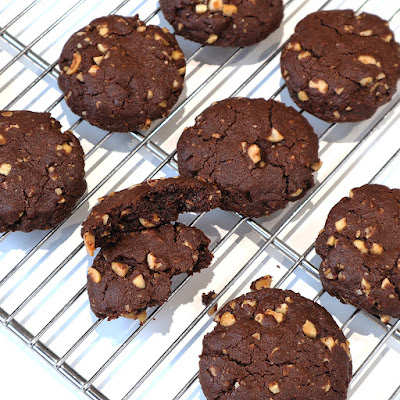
(206, 299)
(261, 283)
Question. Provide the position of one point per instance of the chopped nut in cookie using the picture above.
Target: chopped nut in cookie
(227, 319)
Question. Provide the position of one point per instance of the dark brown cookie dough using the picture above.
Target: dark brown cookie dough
(41, 171)
(275, 344)
(261, 154)
(134, 274)
(120, 75)
(146, 205)
(341, 67)
(360, 249)
(224, 22)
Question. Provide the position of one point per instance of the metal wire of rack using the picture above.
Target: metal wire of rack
(166, 347)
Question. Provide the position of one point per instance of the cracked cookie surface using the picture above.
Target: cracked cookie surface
(134, 274)
(261, 154)
(360, 249)
(120, 75)
(274, 344)
(341, 67)
(224, 23)
(146, 205)
(41, 171)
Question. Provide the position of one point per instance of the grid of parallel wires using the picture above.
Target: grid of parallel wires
(169, 159)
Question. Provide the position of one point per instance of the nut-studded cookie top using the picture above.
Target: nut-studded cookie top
(341, 67)
(261, 154)
(119, 74)
(135, 273)
(146, 205)
(224, 22)
(41, 171)
(360, 248)
(275, 344)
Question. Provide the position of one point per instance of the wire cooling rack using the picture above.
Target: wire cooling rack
(43, 296)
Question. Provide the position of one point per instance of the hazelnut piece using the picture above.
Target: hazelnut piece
(366, 81)
(341, 224)
(298, 192)
(275, 136)
(152, 262)
(376, 249)
(329, 342)
(150, 224)
(259, 318)
(93, 70)
(316, 166)
(176, 55)
(215, 5)
(139, 282)
(102, 48)
(227, 319)
(274, 387)
(302, 95)
(120, 269)
(385, 319)
(76, 62)
(328, 274)
(282, 308)
(229, 10)
(103, 30)
(367, 32)
(264, 282)
(201, 8)
(5, 169)
(386, 284)
(303, 55)
(366, 286)
(309, 329)
(361, 246)
(365, 59)
(254, 153)
(89, 240)
(294, 46)
(277, 315)
(331, 241)
(94, 275)
(251, 303)
(320, 85)
(326, 387)
(212, 38)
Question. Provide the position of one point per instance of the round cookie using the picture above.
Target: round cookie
(275, 344)
(135, 273)
(120, 75)
(146, 205)
(341, 67)
(41, 171)
(261, 154)
(360, 249)
(224, 23)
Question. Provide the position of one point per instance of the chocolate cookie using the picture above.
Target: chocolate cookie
(275, 344)
(134, 274)
(261, 154)
(224, 23)
(341, 67)
(41, 171)
(120, 75)
(360, 249)
(146, 205)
